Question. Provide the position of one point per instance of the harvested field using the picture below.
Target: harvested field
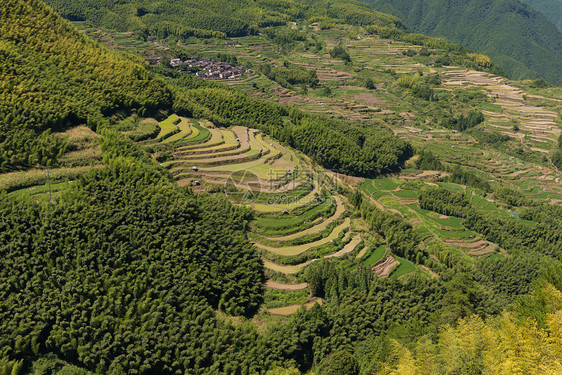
(279, 286)
(383, 268)
(290, 310)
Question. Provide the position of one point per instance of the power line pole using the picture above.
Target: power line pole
(49, 180)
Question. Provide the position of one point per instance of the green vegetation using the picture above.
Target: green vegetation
(211, 18)
(357, 151)
(557, 156)
(550, 8)
(204, 235)
(290, 75)
(462, 123)
(340, 53)
(519, 39)
(53, 80)
(134, 88)
(375, 256)
(128, 285)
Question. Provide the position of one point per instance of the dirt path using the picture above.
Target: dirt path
(290, 310)
(279, 286)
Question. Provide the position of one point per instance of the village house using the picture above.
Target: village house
(175, 63)
(210, 69)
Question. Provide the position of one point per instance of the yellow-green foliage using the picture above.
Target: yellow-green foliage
(502, 345)
(481, 60)
(408, 81)
(52, 77)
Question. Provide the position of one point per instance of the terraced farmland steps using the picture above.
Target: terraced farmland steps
(280, 286)
(299, 249)
(252, 162)
(323, 224)
(538, 122)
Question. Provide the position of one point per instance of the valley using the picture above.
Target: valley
(361, 200)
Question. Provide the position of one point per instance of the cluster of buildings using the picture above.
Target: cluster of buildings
(210, 69)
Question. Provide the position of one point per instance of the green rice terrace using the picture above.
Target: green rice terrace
(298, 217)
(400, 195)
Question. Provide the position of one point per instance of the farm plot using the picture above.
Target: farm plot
(299, 249)
(320, 227)
(449, 231)
(294, 219)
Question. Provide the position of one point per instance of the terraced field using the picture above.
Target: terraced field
(506, 105)
(438, 231)
(298, 219)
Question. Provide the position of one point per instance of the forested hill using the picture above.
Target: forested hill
(550, 8)
(518, 38)
(145, 262)
(52, 77)
(212, 18)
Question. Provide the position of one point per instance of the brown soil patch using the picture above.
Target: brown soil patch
(290, 310)
(428, 270)
(371, 100)
(490, 248)
(279, 286)
(466, 244)
(80, 132)
(383, 268)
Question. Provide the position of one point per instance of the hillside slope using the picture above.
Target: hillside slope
(517, 37)
(211, 18)
(52, 77)
(125, 271)
(550, 8)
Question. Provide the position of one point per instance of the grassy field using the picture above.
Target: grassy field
(168, 126)
(376, 256)
(404, 268)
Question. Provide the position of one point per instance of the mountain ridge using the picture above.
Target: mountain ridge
(550, 8)
(517, 37)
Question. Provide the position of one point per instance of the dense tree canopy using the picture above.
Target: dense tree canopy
(211, 18)
(518, 38)
(52, 77)
(122, 273)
